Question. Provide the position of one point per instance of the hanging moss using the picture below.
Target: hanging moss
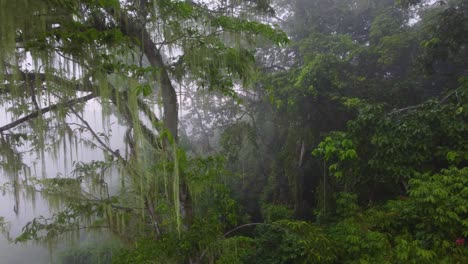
(68, 50)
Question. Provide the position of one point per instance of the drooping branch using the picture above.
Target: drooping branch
(44, 110)
(414, 107)
(95, 135)
(124, 110)
(149, 113)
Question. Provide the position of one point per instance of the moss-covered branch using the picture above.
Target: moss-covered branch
(44, 110)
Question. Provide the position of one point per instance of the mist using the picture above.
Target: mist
(237, 131)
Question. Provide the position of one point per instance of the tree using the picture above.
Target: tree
(57, 55)
(336, 55)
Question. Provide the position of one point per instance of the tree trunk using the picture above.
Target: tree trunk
(169, 96)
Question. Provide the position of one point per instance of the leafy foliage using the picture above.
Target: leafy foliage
(349, 147)
(378, 142)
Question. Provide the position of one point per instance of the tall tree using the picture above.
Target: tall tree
(56, 55)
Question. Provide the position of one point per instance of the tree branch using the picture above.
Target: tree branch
(95, 135)
(143, 39)
(149, 113)
(45, 110)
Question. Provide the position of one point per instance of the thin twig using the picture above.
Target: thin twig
(95, 135)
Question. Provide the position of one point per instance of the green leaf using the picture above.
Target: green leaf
(452, 156)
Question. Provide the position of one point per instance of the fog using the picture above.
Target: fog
(234, 131)
(18, 206)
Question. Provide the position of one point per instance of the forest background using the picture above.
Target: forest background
(256, 131)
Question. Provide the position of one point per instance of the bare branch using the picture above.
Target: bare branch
(45, 110)
(95, 135)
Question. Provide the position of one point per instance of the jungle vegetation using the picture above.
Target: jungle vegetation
(256, 131)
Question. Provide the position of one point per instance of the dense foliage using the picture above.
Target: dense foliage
(347, 145)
